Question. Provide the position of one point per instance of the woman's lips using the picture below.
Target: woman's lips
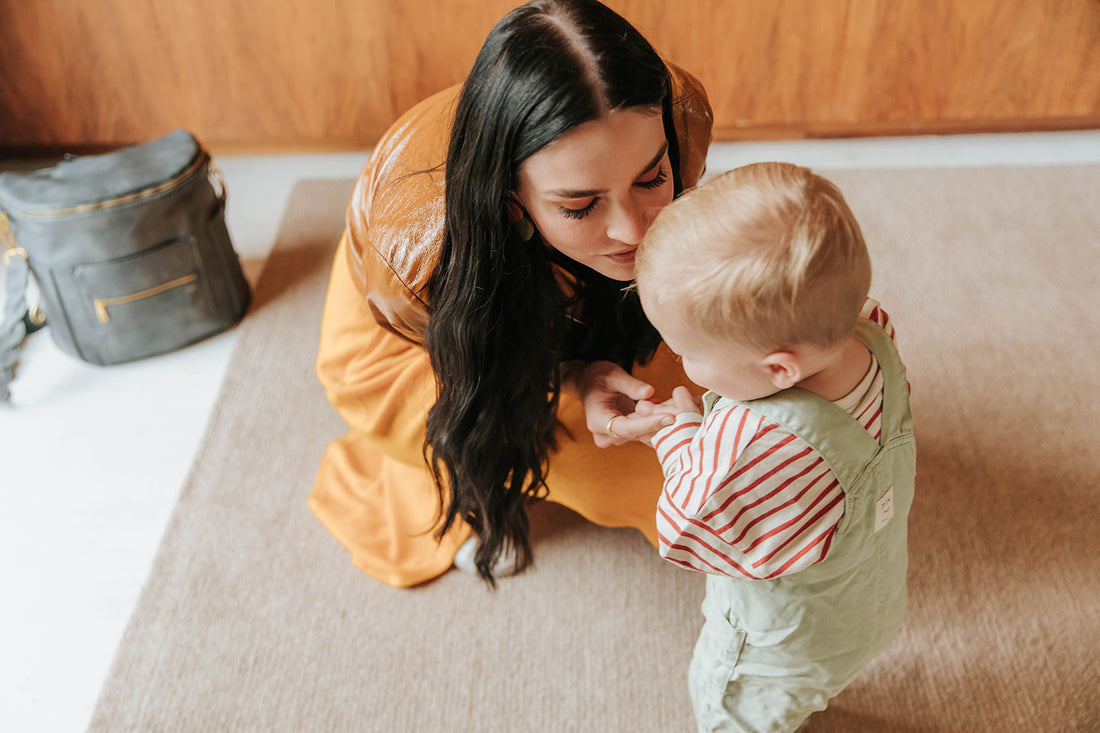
(623, 257)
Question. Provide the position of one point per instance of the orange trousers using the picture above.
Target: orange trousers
(375, 494)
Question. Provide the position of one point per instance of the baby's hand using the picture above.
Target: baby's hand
(681, 401)
(646, 409)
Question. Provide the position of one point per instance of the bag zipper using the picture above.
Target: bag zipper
(128, 198)
(101, 304)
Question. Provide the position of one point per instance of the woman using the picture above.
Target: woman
(476, 336)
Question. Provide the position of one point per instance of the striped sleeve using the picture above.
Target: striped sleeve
(742, 496)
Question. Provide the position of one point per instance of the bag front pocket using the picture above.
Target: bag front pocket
(102, 304)
(144, 304)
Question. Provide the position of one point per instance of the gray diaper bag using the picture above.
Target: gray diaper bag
(129, 251)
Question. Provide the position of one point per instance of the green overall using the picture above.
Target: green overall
(771, 652)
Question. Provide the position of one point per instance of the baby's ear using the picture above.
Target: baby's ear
(784, 368)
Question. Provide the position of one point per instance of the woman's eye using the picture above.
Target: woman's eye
(657, 181)
(578, 213)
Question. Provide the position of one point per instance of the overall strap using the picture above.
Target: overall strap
(840, 439)
(897, 419)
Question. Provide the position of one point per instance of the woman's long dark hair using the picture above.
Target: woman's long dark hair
(498, 326)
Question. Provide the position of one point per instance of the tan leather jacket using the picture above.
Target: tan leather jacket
(395, 216)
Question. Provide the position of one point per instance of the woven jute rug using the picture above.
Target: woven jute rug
(253, 618)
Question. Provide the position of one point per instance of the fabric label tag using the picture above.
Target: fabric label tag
(884, 510)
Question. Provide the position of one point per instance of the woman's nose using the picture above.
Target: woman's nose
(628, 223)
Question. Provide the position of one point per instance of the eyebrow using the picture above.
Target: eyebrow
(580, 194)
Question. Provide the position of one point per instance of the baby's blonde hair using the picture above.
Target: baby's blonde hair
(768, 255)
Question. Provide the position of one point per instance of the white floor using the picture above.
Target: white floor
(94, 458)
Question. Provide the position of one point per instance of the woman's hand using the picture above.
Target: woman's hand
(611, 397)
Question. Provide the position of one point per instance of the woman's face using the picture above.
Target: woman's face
(593, 192)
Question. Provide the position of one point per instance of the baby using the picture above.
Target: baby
(790, 483)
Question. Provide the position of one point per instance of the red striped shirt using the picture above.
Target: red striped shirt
(745, 497)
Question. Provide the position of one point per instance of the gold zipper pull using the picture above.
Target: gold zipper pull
(100, 304)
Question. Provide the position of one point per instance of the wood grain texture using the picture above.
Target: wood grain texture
(841, 67)
(335, 73)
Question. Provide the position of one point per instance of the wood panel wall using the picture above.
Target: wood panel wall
(332, 74)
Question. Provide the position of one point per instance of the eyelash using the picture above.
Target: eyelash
(578, 213)
(656, 182)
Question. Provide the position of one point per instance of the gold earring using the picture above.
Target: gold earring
(525, 228)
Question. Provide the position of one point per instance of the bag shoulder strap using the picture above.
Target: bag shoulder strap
(17, 319)
(13, 327)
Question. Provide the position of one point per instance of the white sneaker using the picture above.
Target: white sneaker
(505, 564)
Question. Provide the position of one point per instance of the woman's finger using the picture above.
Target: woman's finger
(639, 427)
(621, 381)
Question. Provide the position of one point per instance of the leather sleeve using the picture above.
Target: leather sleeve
(395, 216)
(694, 122)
